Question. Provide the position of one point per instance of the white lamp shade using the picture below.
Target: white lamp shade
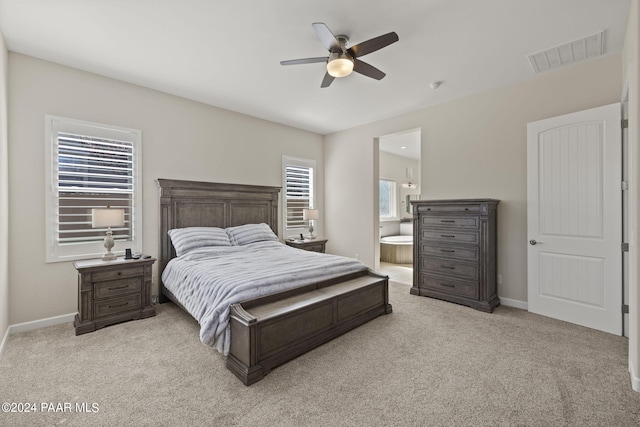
(107, 217)
(309, 214)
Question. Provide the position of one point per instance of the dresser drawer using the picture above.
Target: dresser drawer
(449, 236)
(459, 222)
(450, 286)
(451, 208)
(450, 268)
(117, 305)
(103, 276)
(117, 287)
(449, 252)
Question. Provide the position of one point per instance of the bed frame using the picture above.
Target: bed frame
(268, 331)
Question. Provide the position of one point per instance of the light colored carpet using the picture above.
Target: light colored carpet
(428, 363)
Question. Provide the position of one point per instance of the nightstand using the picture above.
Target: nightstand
(315, 245)
(112, 292)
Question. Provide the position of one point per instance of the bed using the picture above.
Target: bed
(287, 302)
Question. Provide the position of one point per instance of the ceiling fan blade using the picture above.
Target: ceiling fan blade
(305, 60)
(326, 37)
(373, 44)
(367, 70)
(328, 79)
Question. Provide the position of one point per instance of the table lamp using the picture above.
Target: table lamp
(310, 215)
(107, 217)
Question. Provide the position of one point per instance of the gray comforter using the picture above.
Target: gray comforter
(208, 280)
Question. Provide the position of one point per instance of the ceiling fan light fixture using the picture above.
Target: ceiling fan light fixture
(339, 65)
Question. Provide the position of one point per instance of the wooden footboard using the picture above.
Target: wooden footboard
(272, 330)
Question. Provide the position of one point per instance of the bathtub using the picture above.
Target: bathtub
(396, 249)
(397, 240)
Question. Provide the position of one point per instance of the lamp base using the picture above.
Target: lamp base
(108, 244)
(109, 256)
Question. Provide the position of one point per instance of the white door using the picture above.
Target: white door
(574, 216)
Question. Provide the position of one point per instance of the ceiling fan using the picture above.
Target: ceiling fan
(342, 60)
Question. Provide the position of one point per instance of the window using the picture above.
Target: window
(387, 196)
(89, 166)
(299, 188)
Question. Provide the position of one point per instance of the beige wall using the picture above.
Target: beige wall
(471, 147)
(181, 139)
(631, 72)
(4, 196)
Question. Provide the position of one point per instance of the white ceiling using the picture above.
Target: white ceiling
(227, 53)
(404, 144)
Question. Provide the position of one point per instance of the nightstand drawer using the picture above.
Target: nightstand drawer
(117, 287)
(308, 245)
(103, 276)
(315, 248)
(117, 305)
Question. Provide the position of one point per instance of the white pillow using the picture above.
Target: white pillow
(190, 238)
(250, 233)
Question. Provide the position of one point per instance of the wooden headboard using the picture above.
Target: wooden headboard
(211, 204)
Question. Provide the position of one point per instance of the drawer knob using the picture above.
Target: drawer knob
(446, 285)
(450, 236)
(448, 267)
(450, 251)
(447, 220)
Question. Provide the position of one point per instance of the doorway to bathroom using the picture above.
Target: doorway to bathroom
(399, 183)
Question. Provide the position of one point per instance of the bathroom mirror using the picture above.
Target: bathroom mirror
(406, 195)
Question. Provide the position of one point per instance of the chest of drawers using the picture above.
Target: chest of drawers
(112, 291)
(455, 253)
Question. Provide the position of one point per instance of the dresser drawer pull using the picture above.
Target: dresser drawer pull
(447, 285)
(447, 220)
(448, 267)
(451, 236)
(119, 305)
(449, 251)
(119, 287)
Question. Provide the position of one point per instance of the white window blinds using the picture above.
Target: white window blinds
(90, 166)
(92, 173)
(299, 191)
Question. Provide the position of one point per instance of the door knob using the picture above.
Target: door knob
(532, 242)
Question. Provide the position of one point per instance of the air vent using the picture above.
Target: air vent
(578, 50)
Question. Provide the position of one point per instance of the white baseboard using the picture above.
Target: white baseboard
(4, 341)
(635, 380)
(523, 305)
(42, 323)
